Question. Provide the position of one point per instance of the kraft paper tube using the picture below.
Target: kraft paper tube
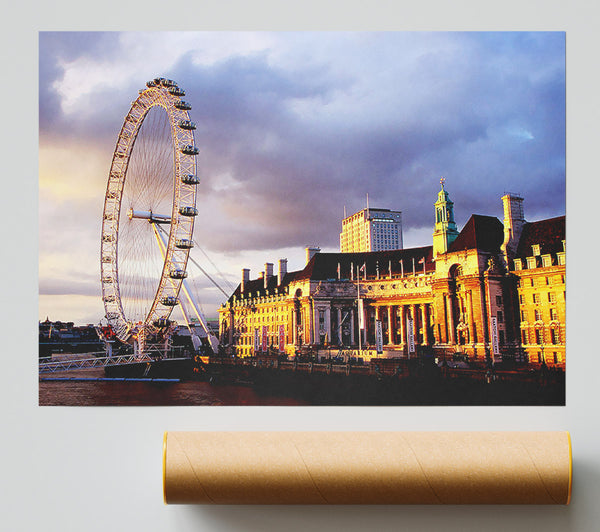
(367, 467)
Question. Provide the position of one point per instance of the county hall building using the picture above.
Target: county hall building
(491, 291)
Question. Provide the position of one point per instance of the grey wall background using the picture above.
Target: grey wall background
(97, 469)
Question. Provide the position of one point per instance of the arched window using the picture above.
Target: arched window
(455, 271)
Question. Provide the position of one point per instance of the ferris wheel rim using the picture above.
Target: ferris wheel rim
(163, 93)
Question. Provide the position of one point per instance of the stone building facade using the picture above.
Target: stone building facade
(471, 292)
(539, 266)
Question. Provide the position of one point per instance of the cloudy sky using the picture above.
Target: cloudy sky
(293, 128)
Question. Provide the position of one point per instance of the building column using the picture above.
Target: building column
(470, 317)
(314, 325)
(352, 339)
(328, 324)
(339, 326)
(413, 314)
(294, 327)
(390, 325)
(308, 323)
(425, 323)
(450, 314)
(404, 336)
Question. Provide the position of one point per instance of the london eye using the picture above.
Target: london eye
(149, 213)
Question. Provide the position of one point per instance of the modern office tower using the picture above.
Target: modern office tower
(371, 230)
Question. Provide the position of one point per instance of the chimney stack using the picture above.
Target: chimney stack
(311, 251)
(514, 220)
(245, 279)
(282, 271)
(268, 273)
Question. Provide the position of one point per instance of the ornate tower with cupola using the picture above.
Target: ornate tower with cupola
(445, 228)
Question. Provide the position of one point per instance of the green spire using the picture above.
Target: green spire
(445, 229)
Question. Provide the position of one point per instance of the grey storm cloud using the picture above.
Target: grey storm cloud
(285, 148)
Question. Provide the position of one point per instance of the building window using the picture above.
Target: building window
(538, 315)
(523, 315)
(518, 264)
(551, 297)
(531, 263)
(499, 300)
(521, 299)
(553, 314)
(531, 281)
(536, 249)
(500, 316)
(539, 336)
(501, 337)
(524, 337)
(554, 336)
(547, 261)
(536, 298)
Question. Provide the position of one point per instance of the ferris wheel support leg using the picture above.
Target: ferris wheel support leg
(162, 245)
(214, 343)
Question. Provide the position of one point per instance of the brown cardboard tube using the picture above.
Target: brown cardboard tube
(367, 467)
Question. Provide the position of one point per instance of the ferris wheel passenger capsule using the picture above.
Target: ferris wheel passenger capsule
(184, 243)
(190, 179)
(177, 274)
(176, 91)
(169, 301)
(188, 211)
(162, 323)
(186, 124)
(188, 149)
(184, 106)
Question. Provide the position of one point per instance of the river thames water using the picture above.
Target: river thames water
(334, 390)
(188, 393)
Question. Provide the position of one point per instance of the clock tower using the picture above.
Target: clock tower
(445, 228)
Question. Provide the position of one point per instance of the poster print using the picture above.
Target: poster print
(427, 170)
